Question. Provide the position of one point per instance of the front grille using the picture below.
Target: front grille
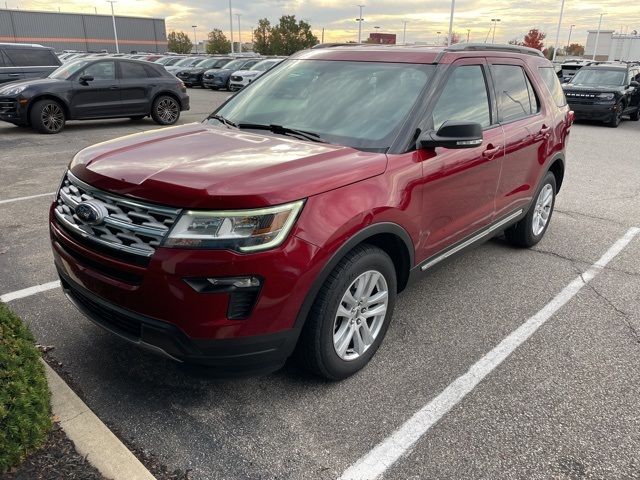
(8, 105)
(586, 98)
(128, 226)
(208, 75)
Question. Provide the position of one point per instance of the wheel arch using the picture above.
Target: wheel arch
(49, 96)
(389, 237)
(167, 93)
(557, 168)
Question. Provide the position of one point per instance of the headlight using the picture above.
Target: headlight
(243, 230)
(606, 96)
(13, 90)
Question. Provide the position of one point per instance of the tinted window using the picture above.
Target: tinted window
(599, 77)
(464, 98)
(132, 70)
(512, 89)
(101, 71)
(550, 79)
(31, 57)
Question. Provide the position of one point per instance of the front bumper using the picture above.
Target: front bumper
(215, 82)
(154, 306)
(13, 110)
(190, 79)
(595, 111)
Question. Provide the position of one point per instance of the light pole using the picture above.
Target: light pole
(115, 31)
(239, 34)
(360, 20)
(231, 24)
(495, 24)
(555, 45)
(438, 40)
(404, 33)
(453, 7)
(595, 48)
(569, 39)
(195, 39)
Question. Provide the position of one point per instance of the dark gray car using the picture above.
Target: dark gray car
(93, 88)
(20, 61)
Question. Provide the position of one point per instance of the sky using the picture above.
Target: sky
(425, 18)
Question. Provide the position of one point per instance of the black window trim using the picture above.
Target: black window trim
(533, 86)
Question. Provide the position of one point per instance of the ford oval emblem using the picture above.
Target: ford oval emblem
(91, 212)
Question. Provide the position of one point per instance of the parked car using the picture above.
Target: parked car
(242, 78)
(93, 88)
(184, 63)
(569, 68)
(219, 78)
(605, 92)
(169, 59)
(298, 211)
(192, 76)
(19, 61)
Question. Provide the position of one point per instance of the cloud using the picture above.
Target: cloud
(425, 18)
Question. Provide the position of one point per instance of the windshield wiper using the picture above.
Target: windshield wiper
(279, 129)
(222, 120)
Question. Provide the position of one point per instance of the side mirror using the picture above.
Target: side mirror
(633, 83)
(453, 135)
(85, 79)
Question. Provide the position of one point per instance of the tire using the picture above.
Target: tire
(635, 116)
(616, 118)
(136, 118)
(47, 116)
(528, 231)
(165, 110)
(320, 339)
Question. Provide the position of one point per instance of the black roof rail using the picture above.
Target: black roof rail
(492, 47)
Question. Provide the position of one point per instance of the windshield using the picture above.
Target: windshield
(210, 62)
(235, 65)
(68, 69)
(264, 65)
(357, 104)
(187, 62)
(592, 76)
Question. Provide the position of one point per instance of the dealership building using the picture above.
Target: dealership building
(85, 32)
(613, 46)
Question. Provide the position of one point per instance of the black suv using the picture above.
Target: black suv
(93, 88)
(605, 91)
(20, 61)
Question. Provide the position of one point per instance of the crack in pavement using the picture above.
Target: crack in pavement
(621, 313)
(572, 214)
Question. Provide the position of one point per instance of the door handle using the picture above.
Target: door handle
(114, 87)
(491, 151)
(14, 74)
(545, 131)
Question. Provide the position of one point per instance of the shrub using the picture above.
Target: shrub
(25, 417)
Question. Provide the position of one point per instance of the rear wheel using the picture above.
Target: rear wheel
(351, 314)
(530, 230)
(47, 116)
(165, 110)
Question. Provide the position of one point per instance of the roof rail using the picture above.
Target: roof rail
(491, 47)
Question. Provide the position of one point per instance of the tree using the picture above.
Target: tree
(575, 49)
(548, 52)
(534, 39)
(286, 38)
(217, 42)
(178, 42)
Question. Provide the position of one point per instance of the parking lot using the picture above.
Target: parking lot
(565, 404)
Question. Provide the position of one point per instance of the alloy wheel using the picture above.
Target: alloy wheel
(52, 117)
(542, 209)
(360, 315)
(167, 110)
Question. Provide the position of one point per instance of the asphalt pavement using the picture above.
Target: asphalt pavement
(565, 404)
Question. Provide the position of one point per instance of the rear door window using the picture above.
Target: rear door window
(552, 82)
(31, 57)
(464, 98)
(130, 70)
(513, 92)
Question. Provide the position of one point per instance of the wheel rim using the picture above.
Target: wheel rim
(360, 315)
(542, 209)
(167, 110)
(52, 117)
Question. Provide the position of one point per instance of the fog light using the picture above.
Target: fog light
(223, 284)
(238, 282)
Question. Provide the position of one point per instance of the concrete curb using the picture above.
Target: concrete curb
(90, 436)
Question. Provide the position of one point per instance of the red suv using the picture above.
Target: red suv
(290, 219)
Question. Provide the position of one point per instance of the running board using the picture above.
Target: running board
(490, 229)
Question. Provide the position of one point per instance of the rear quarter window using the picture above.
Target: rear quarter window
(31, 57)
(550, 79)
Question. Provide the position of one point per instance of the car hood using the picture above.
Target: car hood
(223, 71)
(247, 73)
(29, 83)
(205, 166)
(577, 87)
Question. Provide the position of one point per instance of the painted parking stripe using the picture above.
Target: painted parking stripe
(10, 200)
(373, 464)
(27, 292)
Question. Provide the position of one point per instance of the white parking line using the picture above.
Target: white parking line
(373, 464)
(27, 292)
(10, 200)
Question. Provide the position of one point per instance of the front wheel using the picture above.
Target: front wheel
(165, 110)
(47, 116)
(351, 314)
(530, 230)
(616, 118)
(635, 116)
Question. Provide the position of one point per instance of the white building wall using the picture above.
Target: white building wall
(613, 46)
(604, 43)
